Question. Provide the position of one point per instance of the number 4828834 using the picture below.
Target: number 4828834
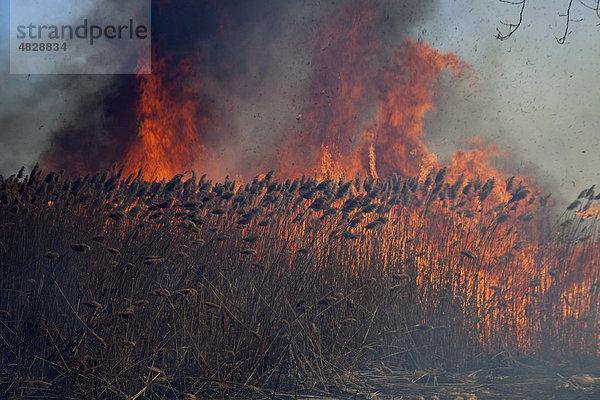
(42, 46)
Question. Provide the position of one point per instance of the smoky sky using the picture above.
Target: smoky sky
(104, 124)
(531, 96)
(254, 64)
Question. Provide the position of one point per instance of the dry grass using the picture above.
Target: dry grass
(114, 287)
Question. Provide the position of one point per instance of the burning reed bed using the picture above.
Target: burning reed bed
(115, 287)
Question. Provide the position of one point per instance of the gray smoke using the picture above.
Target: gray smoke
(532, 97)
(35, 110)
(256, 75)
(269, 56)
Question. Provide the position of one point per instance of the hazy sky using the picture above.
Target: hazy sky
(537, 99)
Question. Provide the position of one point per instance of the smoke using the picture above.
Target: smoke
(33, 108)
(100, 129)
(255, 65)
(260, 72)
(532, 97)
(73, 122)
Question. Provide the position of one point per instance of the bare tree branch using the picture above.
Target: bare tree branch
(567, 15)
(596, 8)
(512, 28)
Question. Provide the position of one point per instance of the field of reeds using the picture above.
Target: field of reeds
(115, 287)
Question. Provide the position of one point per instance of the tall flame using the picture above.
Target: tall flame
(364, 116)
(171, 120)
(366, 112)
(344, 62)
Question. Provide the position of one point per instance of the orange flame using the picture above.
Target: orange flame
(170, 118)
(328, 142)
(366, 114)
(405, 93)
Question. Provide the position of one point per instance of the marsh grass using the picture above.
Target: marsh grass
(115, 287)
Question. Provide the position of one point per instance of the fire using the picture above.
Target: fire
(441, 260)
(329, 142)
(171, 119)
(365, 117)
(366, 112)
(405, 91)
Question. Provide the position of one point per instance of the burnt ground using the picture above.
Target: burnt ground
(514, 379)
(552, 381)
